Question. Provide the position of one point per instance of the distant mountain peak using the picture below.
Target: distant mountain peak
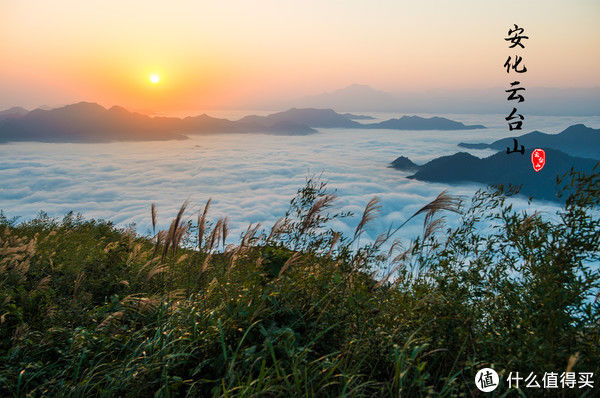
(355, 97)
(498, 168)
(15, 111)
(576, 140)
(83, 106)
(118, 108)
(358, 88)
(578, 128)
(404, 164)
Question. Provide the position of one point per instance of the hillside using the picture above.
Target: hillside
(500, 168)
(419, 123)
(90, 122)
(89, 309)
(576, 140)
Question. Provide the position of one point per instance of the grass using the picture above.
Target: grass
(90, 309)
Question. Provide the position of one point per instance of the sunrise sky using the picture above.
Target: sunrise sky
(211, 54)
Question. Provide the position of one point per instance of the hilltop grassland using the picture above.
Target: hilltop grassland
(90, 309)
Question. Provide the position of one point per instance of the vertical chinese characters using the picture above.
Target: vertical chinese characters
(516, 65)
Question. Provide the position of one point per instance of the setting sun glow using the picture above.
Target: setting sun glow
(154, 78)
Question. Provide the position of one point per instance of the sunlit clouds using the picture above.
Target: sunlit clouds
(212, 55)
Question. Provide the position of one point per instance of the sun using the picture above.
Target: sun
(154, 78)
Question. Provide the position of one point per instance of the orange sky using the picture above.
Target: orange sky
(217, 54)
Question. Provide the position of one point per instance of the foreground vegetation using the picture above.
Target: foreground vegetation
(88, 309)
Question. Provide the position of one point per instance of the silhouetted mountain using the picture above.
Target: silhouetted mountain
(540, 101)
(419, 123)
(329, 118)
(13, 112)
(576, 140)
(405, 164)
(355, 97)
(500, 168)
(352, 116)
(85, 122)
(309, 116)
(90, 122)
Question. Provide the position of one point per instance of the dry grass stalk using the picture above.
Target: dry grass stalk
(154, 217)
(258, 262)
(235, 254)
(232, 260)
(202, 223)
(160, 239)
(51, 311)
(398, 260)
(225, 230)
(110, 246)
(277, 229)
(249, 235)
(111, 320)
(155, 271)
(143, 267)
(443, 201)
(140, 304)
(134, 253)
(179, 234)
(78, 282)
(334, 241)
(43, 283)
(173, 231)
(215, 235)
(22, 266)
(371, 210)
(529, 221)
(402, 256)
(381, 239)
(167, 240)
(213, 283)
(395, 244)
(206, 262)
(572, 361)
(433, 226)
(316, 208)
(290, 261)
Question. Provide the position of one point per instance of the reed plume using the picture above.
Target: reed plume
(248, 237)
(369, 214)
(433, 226)
(171, 239)
(334, 241)
(154, 217)
(202, 223)
(443, 201)
(225, 230)
(277, 229)
(215, 235)
(316, 208)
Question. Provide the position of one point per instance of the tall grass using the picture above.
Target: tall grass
(89, 309)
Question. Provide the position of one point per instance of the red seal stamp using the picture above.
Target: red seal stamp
(538, 159)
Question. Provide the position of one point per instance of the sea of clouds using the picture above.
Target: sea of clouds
(250, 177)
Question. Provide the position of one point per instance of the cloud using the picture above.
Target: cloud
(251, 178)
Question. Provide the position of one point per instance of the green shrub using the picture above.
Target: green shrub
(89, 309)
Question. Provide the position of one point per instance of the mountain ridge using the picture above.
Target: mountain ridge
(576, 140)
(91, 122)
(499, 168)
